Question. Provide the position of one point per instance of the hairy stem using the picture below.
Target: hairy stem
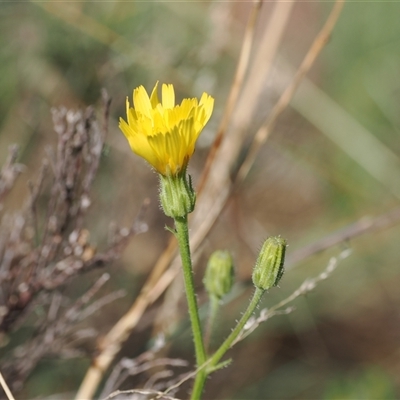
(235, 333)
(212, 363)
(182, 235)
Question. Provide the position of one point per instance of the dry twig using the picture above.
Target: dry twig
(42, 251)
(308, 61)
(150, 395)
(9, 173)
(6, 389)
(57, 334)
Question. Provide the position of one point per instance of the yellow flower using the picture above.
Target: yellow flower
(163, 133)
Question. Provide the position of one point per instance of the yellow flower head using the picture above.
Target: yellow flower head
(163, 133)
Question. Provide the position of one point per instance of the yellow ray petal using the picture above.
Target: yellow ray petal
(154, 96)
(141, 101)
(162, 133)
(168, 96)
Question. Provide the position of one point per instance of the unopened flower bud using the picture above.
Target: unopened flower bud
(177, 195)
(269, 266)
(218, 279)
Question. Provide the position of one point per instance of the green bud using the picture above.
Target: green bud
(177, 195)
(269, 266)
(218, 279)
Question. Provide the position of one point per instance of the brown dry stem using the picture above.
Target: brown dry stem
(284, 100)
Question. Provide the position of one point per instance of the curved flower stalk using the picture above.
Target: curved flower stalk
(163, 133)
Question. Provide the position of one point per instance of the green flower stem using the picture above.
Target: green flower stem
(235, 333)
(226, 345)
(182, 235)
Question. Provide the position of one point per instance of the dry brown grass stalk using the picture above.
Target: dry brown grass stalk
(284, 100)
(237, 84)
(5, 387)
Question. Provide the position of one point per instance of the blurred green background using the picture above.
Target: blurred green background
(332, 159)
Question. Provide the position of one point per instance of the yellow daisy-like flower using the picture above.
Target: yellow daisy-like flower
(163, 133)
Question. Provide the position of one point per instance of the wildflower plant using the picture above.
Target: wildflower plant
(45, 245)
(165, 135)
